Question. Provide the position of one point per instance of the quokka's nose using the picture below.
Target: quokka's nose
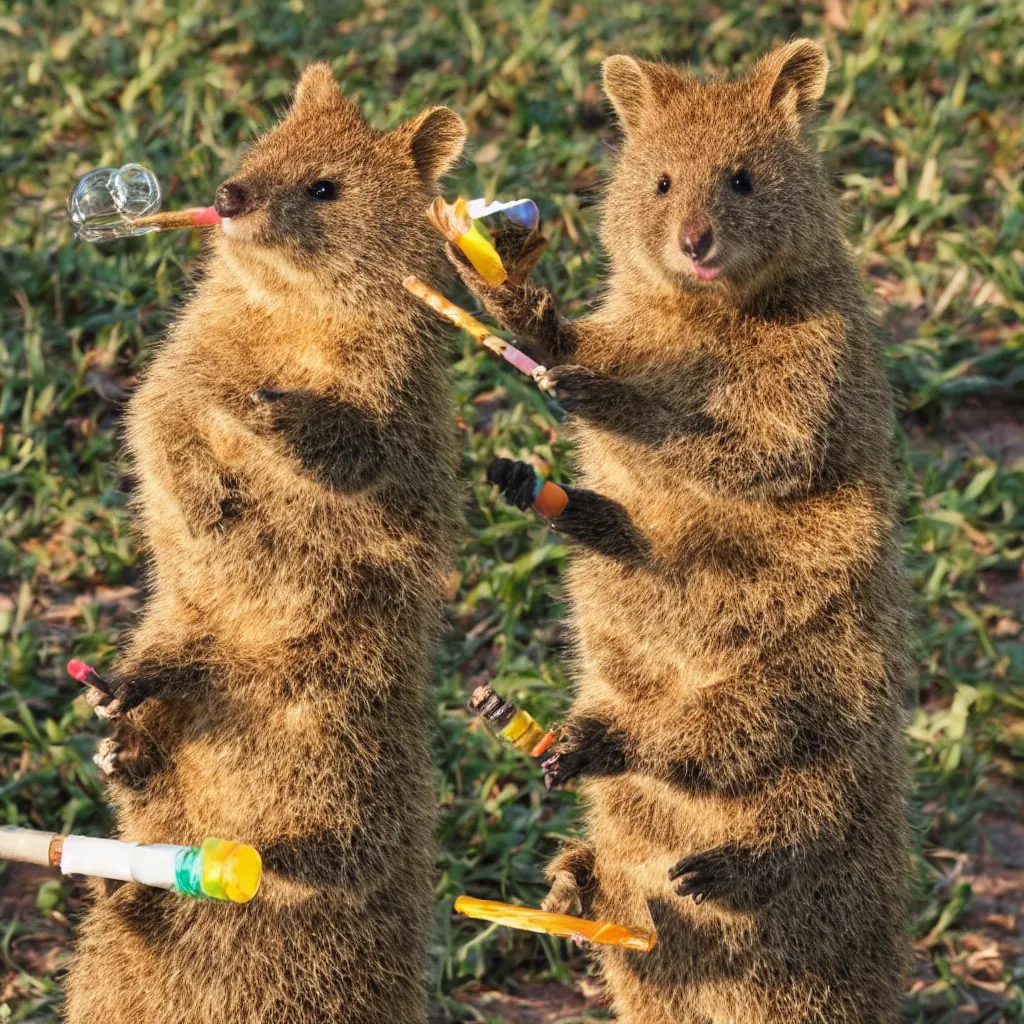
(231, 200)
(696, 241)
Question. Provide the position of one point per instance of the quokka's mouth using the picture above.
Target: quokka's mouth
(706, 271)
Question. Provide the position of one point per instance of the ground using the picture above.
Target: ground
(923, 130)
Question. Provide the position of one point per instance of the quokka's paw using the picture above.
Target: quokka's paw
(564, 897)
(107, 756)
(561, 766)
(124, 695)
(578, 388)
(704, 876)
(517, 481)
(520, 250)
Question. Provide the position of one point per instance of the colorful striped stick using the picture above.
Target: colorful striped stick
(513, 724)
(458, 316)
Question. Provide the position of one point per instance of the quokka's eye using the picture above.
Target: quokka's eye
(664, 184)
(739, 182)
(323, 191)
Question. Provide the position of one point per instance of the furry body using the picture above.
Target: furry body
(296, 493)
(737, 596)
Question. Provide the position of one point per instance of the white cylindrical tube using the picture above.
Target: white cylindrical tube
(155, 865)
(129, 862)
(25, 844)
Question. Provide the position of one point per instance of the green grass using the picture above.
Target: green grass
(923, 125)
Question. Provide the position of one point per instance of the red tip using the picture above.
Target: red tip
(79, 670)
(206, 215)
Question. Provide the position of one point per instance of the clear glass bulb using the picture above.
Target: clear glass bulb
(105, 202)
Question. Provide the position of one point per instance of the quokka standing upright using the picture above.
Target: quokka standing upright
(738, 602)
(294, 454)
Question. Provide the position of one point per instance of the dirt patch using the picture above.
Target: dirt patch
(997, 428)
(538, 1002)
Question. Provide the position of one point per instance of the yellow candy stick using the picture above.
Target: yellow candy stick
(455, 223)
(528, 919)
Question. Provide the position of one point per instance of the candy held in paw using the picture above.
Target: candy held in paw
(457, 222)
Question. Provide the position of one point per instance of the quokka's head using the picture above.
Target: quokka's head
(717, 185)
(324, 198)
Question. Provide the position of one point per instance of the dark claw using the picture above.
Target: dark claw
(575, 387)
(703, 877)
(562, 766)
(267, 395)
(517, 480)
(125, 695)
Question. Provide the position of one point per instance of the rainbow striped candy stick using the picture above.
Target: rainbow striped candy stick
(458, 316)
(217, 870)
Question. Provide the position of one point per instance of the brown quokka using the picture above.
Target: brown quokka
(295, 459)
(738, 601)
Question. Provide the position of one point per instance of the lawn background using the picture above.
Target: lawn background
(923, 130)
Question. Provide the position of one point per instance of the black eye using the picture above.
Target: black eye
(664, 184)
(739, 181)
(323, 191)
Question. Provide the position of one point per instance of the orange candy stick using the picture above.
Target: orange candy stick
(530, 920)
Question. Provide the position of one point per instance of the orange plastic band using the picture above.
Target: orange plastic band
(551, 501)
(545, 742)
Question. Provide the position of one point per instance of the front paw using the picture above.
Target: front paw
(517, 481)
(266, 407)
(123, 696)
(107, 756)
(520, 249)
(562, 766)
(578, 389)
(704, 876)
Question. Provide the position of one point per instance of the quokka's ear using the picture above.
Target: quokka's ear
(317, 93)
(625, 85)
(435, 139)
(636, 87)
(791, 79)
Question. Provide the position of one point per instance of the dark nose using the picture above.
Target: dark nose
(696, 241)
(231, 200)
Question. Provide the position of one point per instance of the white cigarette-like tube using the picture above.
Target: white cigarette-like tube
(127, 862)
(25, 844)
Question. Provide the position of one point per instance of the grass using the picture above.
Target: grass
(923, 126)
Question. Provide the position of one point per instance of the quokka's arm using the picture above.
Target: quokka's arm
(590, 519)
(341, 444)
(208, 494)
(752, 426)
(526, 309)
(733, 737)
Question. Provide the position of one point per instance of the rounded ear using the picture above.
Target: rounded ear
(636, 87)
(626, 86)
(318, 93)
(435, 140)
(792, 79)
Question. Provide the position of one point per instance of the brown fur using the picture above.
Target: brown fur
(738, 598)
(296, 491)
